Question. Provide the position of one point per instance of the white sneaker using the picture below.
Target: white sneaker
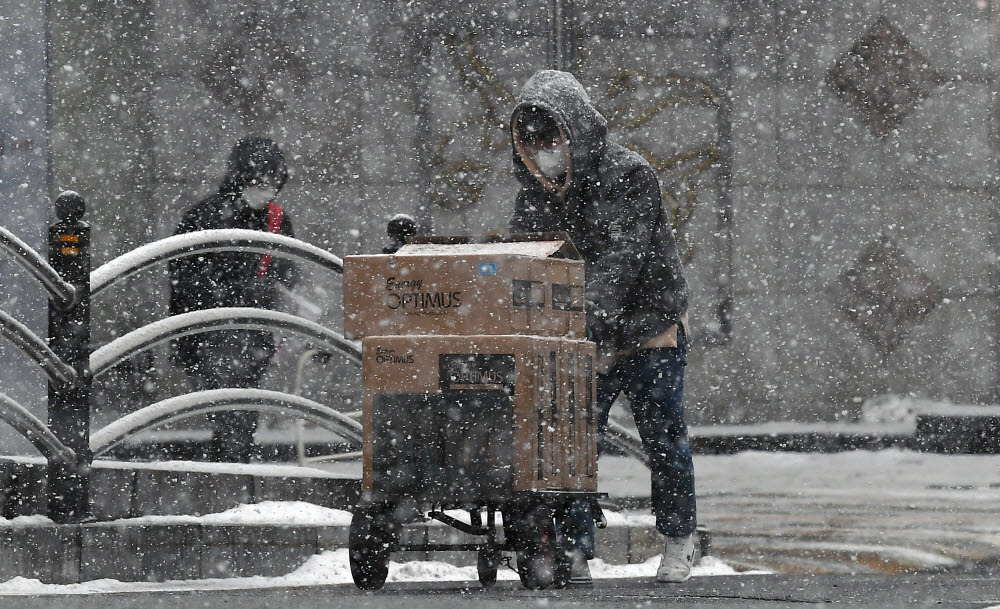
(678, 556)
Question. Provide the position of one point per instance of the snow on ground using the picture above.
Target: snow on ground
(24, 521)
(332, 569)
(889, 511)
(289, 513)
(899, 409)
(862, 474)
(865, 475)
(203, 467)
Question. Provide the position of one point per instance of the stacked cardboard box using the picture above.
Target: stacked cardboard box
(476, 383)
(532, 288)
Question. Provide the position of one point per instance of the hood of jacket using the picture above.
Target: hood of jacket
(563, 97)
(253, 157)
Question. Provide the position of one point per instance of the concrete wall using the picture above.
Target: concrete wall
(815, 186)
(384, 108)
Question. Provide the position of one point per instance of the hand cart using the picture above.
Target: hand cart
(542, 555)
(505, 425)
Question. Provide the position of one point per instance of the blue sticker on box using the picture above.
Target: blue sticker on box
(487, 268)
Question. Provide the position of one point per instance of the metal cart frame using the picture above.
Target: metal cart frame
(542, 552)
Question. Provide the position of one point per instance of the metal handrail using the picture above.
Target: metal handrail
(223, 318)
(35, 431)
(627, 442)
(206, 241)
(58, 371)
(223, 400)
(348, 456)
(300, 440)
(62, 292)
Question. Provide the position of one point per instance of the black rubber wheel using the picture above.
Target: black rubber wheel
(369, 545)
(562, 562)
(535, 551)
(487, 565)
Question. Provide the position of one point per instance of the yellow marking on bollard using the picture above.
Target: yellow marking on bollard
(72, 238)
(70, 251)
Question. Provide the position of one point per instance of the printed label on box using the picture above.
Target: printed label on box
(476, 371)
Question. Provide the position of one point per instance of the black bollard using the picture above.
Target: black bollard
(69, 337)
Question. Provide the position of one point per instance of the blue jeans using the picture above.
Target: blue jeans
(653, 381)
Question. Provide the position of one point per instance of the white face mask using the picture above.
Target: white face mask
(552, 163)
(257, 197)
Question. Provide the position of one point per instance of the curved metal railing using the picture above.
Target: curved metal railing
(57, 370)
(63, 293)
(223, 318)
(217, 400)
(231, 318)
(139, 340)
(206, 241)
(625, 441)
(35, 431)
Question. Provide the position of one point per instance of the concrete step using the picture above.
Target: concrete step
(974, 432)
(173, 548)
(65, 554)
(131, 489)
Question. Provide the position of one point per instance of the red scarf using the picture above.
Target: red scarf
(274, 214)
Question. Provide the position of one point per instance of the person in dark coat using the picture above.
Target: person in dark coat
(608, 199)
(255, 174)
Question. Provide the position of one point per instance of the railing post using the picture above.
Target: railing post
(69, 337)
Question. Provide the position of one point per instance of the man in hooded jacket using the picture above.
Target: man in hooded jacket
(256, 172)
(608, 199)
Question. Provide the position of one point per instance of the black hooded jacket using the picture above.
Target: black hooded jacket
(229, 279)
(613, 211)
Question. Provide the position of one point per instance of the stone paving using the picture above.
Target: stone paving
(889, 511)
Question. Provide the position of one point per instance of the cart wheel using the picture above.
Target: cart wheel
(562, 562)
(369, 544)
(535, 552)
(489, 561)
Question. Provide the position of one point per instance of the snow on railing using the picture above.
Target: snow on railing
(35, 431)
(205, 241)
(57, 370)
(224, 318)
(220, 400)
(61, 291)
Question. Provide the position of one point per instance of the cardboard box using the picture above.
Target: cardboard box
(477, 418)
(502, 287)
